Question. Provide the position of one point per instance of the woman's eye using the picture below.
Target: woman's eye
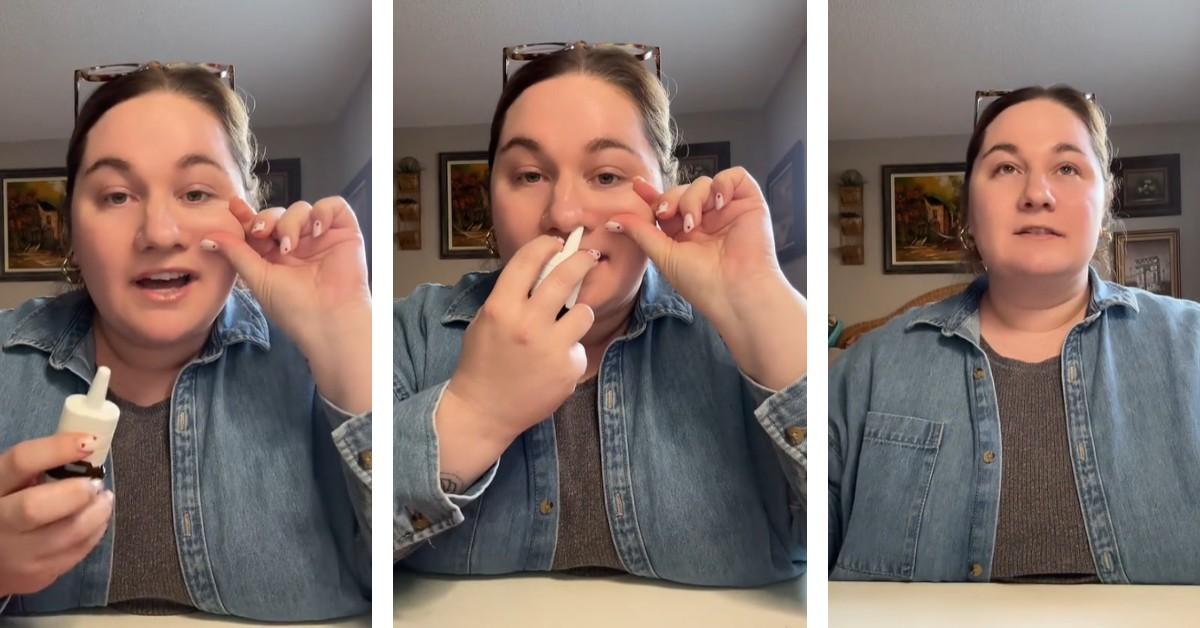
(116, 198)
(1068, 169)
(529, 178)
(607, 179)
(1005, 169)
(196, 196)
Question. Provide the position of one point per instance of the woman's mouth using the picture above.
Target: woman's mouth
(165, 286)
(1038, 232)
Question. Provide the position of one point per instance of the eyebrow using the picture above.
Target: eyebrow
(1063, 147)
(122, 166)
(594, 146)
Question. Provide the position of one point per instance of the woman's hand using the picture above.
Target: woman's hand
(306, 265)
(47, 529)
(714, 244)
(518, 363)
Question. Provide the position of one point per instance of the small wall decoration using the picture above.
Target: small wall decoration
(1147, 186)
(464, 203)
(35, 236)
(850, 217)
(922, 218)
(785, 198)
(697, 160)
(1149, 260)
(279, 180)
(407, 225)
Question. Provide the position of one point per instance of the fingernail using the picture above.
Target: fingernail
(316, 228)
(614, 226)
(97, 486)
(662, 209)
(208, 245)
(88, 444)
(720, 200)
(110, 496)
(285, 245)
(595, 254)
(689, 223)
(258, 226)
(639, 178)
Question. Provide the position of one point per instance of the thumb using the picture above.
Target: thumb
(245, 260)
(658, 246)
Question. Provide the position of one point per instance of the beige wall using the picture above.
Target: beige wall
(785, 113)
(858, 293)
(743, 129)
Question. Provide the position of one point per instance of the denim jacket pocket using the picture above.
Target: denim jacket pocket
(895, 469)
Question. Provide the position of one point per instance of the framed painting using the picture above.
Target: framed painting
(279, 181)
(785, 198)
(35, 235)
(1149, 260)
(705, 159)
(922, 218)
(464, 205)
(1147, 186)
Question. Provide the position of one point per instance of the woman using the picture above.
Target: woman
(656, 428)
(239, 472)
(1043, 425)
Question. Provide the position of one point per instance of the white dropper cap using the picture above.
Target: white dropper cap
(92, 414)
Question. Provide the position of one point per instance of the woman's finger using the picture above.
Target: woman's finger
(522, 270)
(70, 531)
(294, 224)
(43, 504)
(24, 462)
(696, 199)
(335, 213)
(263, 226)
(551, 296)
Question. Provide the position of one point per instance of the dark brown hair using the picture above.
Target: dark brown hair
(1093, 119)
(193, 82)
(619, 69)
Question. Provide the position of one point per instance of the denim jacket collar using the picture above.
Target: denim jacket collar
(959, 315)
(655, 299)
(59, 325)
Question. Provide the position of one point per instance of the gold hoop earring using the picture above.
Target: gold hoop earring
(71, 273)
(491, 243)
(963, 236)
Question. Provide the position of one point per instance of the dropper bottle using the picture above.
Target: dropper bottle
(89, 414)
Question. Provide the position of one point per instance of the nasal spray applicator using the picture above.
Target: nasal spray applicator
(89, 414)
(569, 249)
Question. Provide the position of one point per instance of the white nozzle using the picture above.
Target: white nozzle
(99, 390)
(573, 241)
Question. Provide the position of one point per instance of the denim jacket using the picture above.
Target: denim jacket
(915, 456)
(270, 482)
(703, 468)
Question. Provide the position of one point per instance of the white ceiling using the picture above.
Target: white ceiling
(299, 59)
(902, 69)
(721, 55)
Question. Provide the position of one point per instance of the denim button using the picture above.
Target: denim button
(978, 374)
(988, 457)
(976, 570)
(364, 459)
(545, 507)
(796, 435)
(419, 521)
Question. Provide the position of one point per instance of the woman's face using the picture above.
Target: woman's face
(1037, 192)
(567, 154)
(156, 176)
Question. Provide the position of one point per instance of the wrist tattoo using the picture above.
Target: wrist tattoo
(452, 483)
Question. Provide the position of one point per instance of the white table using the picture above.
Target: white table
(110, 619)
(535, 601)
(855, 604)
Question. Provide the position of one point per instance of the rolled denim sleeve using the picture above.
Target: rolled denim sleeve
(422, 509)
(784, 416)
(351, 435)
